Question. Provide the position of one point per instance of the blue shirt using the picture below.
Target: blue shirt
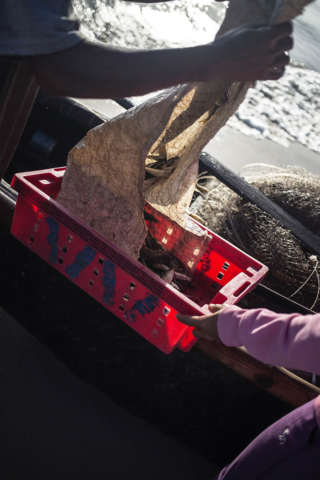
(37, 27)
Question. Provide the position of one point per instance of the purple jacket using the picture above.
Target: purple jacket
(290, 448)
(291, 341)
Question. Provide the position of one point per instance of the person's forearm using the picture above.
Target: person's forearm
(100, 71)
(291, 341)
(97, 70)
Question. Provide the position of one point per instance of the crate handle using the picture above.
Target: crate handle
(237, 288)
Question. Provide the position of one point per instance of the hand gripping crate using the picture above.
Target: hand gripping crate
(136, 295)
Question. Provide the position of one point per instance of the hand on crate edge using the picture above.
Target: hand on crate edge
(206, 326)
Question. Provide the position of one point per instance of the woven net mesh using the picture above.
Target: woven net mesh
(297, 191)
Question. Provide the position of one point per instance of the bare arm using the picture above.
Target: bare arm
(98, 70)
(101, 71)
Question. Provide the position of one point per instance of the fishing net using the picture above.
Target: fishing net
(293, 271)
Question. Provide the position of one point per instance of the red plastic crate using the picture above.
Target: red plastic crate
(136, 295)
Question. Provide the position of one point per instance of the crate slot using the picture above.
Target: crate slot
(220, 276)
(64, 250)
(241, 289)
(214, 285)
(226, 266)
(60, 260)
(132, 285)
(126, 297)
(196, 252)
(95, 272)
(69, 238)
(91, 283)
(251, 271)
(160, 322)
(169, 231)
(164, 240)
(121, 308)
(40, 216)
(100, 261)
(35, 227)
(154, 333)
(166, 311)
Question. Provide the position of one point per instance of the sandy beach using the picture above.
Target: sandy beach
(236, 150)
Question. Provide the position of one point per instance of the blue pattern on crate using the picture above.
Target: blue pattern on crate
(82, 260)
(205, 262)
(142, 307)
(52, 239)
(109, 282)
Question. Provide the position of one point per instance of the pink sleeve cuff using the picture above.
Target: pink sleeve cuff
(228, 325)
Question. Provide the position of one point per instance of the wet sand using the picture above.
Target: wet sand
(236, 150)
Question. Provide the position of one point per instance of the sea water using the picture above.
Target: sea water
(283, 111)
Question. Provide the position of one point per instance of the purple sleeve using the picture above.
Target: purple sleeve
(291, 341)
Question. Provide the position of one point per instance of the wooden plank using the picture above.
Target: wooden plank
(279, 382)
(16, 101)
(251, 194)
